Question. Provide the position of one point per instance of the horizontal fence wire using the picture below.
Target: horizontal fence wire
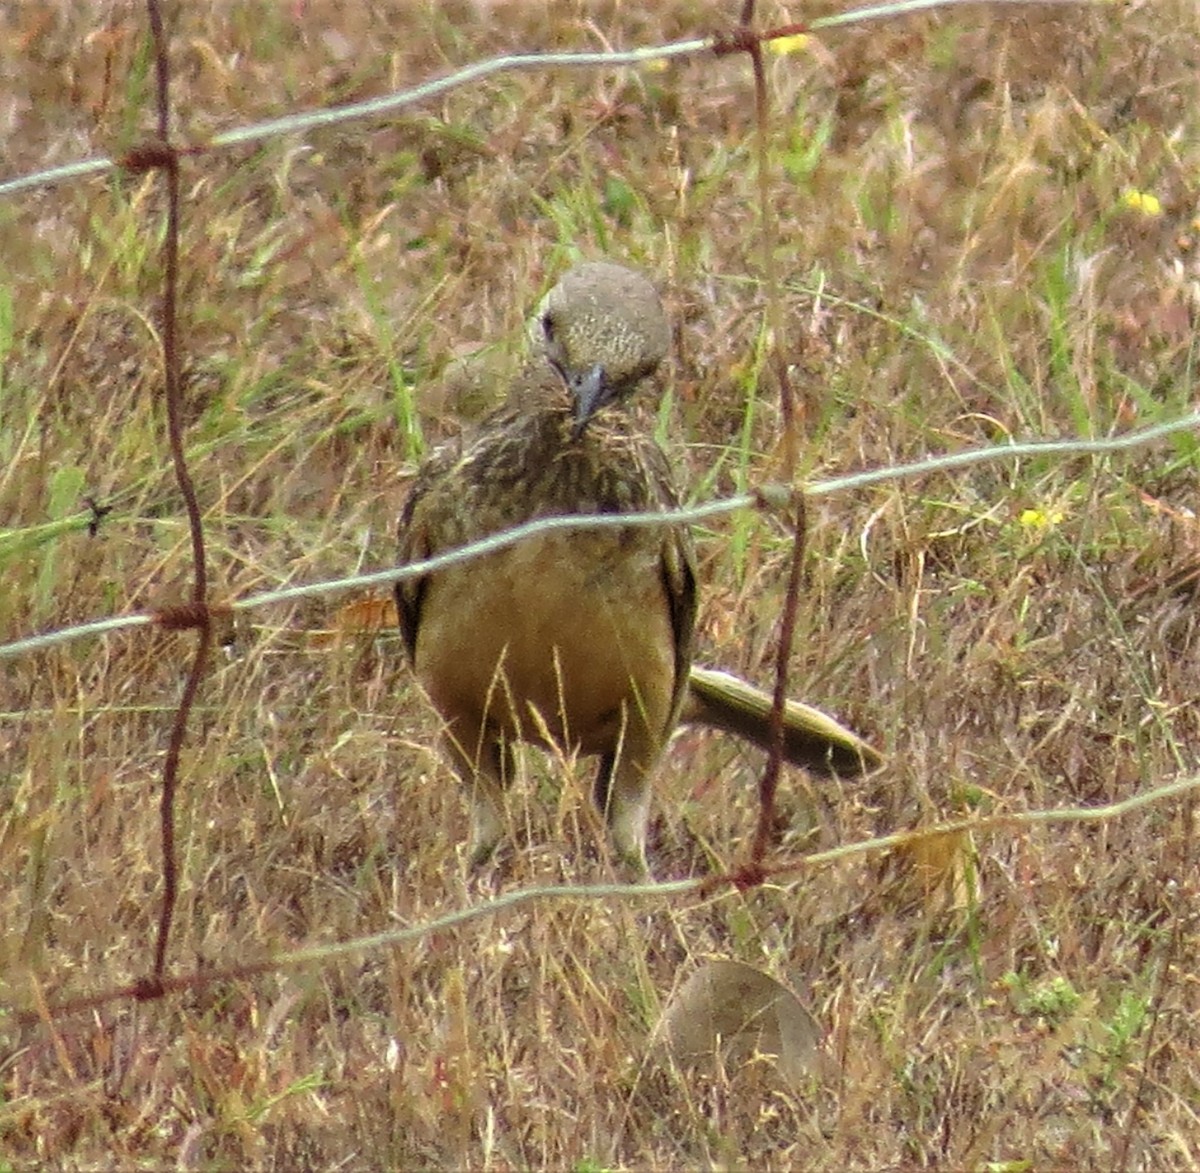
(304, 121)
(784, 870)
(767, 497)
(703, 887)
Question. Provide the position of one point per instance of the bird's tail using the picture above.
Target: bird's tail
(811, 739)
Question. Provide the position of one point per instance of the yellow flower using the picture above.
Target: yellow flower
(792, 44)
(1143, 201)
(1041, 518)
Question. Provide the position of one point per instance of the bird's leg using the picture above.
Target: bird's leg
(484, 774)
(622, 792)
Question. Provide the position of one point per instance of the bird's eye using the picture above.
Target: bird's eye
(548, 326)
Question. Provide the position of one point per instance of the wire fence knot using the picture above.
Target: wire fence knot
(148, 155)
(194, 616)
(741, 39)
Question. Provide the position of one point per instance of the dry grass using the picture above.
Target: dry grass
(961, 265)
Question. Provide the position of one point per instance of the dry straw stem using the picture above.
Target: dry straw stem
(769, 495)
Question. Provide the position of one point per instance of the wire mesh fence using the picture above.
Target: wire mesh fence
(170, 152)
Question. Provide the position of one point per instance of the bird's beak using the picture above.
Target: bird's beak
(590, 390)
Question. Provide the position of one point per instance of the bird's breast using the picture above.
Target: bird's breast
(560, 623)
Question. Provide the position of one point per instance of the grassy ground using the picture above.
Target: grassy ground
(964, 262)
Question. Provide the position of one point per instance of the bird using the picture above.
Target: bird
(576, 638)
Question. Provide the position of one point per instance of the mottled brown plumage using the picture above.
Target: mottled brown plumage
(580, 638)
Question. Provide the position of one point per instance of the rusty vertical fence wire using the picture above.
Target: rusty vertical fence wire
(183, 477)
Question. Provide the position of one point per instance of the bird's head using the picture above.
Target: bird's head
(604, 330)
